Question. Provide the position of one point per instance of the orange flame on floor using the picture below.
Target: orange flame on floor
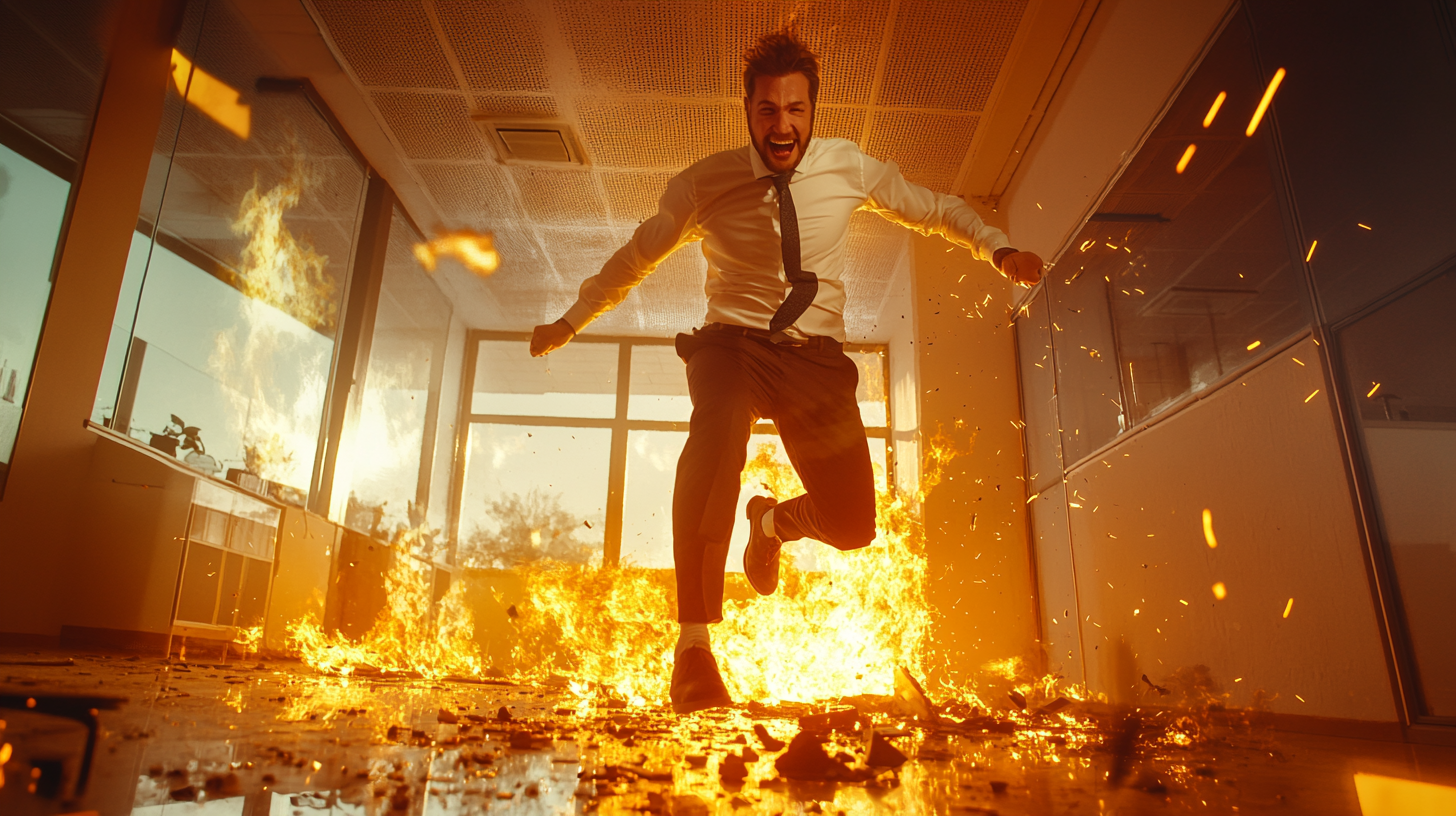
(475, 250)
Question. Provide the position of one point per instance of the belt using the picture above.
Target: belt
(817, 342)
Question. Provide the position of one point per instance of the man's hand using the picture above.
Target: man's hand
(1023, 268)
(550, 337)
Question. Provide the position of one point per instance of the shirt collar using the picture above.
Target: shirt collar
(760, 170)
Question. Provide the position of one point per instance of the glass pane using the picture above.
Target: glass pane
(533, 492)
(383, 473)
(1401, 368)
(53, 56)
(32, 204)
(1090, 396)
(1191, 247)
(1390, 168)
(1038, 393)
(578, 380)
(228, 361)
(872, 396)
(647, 509)
(659, 385)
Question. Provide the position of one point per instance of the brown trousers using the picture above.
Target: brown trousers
(809, 393)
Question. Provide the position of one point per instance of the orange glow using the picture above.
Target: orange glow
(1220, 591)
(1311, 396)
(1389, 796)
(1213, 111)
(1254, 345)
(475, 250)
(1361, 226)
(1187, 157)
(1289, 607)
(1310, 254)
(1264, 103)
(1373, 389)
(211, 95)
(1208, 529)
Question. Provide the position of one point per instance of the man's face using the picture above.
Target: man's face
(780, 120)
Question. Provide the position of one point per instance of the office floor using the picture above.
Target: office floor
(276, 739)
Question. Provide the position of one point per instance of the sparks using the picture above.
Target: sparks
(1264, 103)
(1289, 607)
(1213, 111)
(1220, 591)
(1297, 360)
(1311, 396)
(1310, 254)
(1372, 390)
(1208, 529)
(1181, 601)
(1254, 345)
(1187, 157)
(1361, 226)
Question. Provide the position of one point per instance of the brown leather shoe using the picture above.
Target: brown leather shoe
(696, 684)
(761, 556)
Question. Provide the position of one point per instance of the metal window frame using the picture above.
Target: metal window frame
(620, 425)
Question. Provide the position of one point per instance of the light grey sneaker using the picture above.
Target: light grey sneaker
(761, 557)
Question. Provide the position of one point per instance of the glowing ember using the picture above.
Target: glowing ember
(1264, 102)
(475, 250)
(1373, 388)
(1289, 607)
(1208, 529)
(1187, 157)
(1254, 345)
(1213, 110)
(1220, 591)
(1310, 254)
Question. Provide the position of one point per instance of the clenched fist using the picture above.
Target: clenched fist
(550, 337)
(1023, 268)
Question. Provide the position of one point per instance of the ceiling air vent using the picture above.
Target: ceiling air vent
(533, 142)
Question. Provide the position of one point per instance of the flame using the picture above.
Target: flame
(278, 268)
(408, 635)
(211, 95)
(475, 250)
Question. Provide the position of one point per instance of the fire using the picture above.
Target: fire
(278, 268)
(475, 250)
(408, 636)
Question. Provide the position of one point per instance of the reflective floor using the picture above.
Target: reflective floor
(271, 739)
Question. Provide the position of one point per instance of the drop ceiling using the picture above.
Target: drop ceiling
(648, 87)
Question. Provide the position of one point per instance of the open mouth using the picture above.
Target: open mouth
(781, 149)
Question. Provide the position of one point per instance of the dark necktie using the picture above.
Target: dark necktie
(804, 284)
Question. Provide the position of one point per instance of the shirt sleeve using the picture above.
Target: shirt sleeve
(674, 224)
(925, 211)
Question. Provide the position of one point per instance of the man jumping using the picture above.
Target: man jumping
(773, 219)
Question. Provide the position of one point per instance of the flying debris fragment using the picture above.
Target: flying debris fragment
(475, 250)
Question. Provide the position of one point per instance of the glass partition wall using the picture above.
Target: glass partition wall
(225, 335)
(52, 58)
(573, 456)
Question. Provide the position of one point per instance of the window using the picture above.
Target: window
(574, 456)
(224, 339)
(1400, 369)
(52, 62)
(1187, 273)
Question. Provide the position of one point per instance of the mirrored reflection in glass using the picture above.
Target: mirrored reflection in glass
(1400, 364)
(533, 492)
(1038, 393)
(228, 360)
(1190, 245)
(659, 385)
(383, 474)
(577, 380)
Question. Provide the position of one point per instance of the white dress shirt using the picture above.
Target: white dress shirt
(728, 202)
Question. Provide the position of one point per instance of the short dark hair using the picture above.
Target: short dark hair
(780, 53)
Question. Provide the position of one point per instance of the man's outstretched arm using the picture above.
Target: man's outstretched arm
(929, 212)
(655, 239)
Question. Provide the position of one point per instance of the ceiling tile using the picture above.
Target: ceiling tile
(431, 126)
(929, 147)
(946, 54)
(388, 43)
(497, 43)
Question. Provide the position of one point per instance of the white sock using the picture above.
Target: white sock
(690, 635)
(766, 523)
